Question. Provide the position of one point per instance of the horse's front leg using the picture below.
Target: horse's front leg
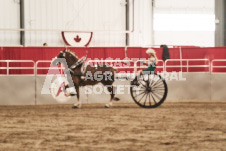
(69, 91)
(78, 104)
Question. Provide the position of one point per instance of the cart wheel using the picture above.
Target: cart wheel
(149, 90)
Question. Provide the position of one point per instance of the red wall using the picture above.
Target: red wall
(47, 53)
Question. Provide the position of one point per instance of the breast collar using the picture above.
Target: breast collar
(82, 69)
(79, 62)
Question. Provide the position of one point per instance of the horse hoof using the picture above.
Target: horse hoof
(75, 107)
(72, 94)
(106, 106)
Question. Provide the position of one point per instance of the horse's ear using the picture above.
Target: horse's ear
(65, 50)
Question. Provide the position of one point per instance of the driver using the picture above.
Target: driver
(151, 62)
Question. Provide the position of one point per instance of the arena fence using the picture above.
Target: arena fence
(182, 65)
(202, 65)
(8, 65)
(217, 64)
(42, 67)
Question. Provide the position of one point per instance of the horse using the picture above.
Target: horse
(79, 79)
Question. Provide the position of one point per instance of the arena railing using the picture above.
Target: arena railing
(181, 65)
(46, 67)
(133, 65)
(218, 66)
(8, 67)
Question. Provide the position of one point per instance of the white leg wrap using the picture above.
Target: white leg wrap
(108, 105)
(79, 105)
(72, 89)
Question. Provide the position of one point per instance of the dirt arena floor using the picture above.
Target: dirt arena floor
(172, 126)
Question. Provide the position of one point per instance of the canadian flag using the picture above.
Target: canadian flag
(79, 39)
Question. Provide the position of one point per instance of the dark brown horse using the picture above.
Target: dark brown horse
(87, 77)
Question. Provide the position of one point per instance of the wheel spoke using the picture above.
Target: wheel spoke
(149, 99)
(157, 82)
(155, 86)
(139, 94)
(145, 99)
(142, 84)
(153, 98)
(142, 97)
(143, 88)
(159, 88)
(137, 90)
(156, 96)
(159, 93)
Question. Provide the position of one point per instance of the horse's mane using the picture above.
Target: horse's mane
(72, 53)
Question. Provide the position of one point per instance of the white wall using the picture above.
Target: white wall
(176, 22)
(143, 23)
(184, 22)
(197, 87)
(9, 18)
(75, 15)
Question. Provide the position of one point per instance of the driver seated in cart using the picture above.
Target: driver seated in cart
(151, 62)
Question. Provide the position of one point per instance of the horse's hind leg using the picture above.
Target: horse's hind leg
(78, 104)
(111, 90)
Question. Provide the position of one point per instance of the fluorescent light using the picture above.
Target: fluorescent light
(184, 22)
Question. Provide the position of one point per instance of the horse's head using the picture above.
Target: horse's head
(70, 57)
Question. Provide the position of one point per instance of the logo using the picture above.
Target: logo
(58, 90)
(77, 39)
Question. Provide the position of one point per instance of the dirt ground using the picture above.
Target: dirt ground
(172, 126)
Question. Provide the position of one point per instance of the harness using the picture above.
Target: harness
(76, 64)
(83, 69)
